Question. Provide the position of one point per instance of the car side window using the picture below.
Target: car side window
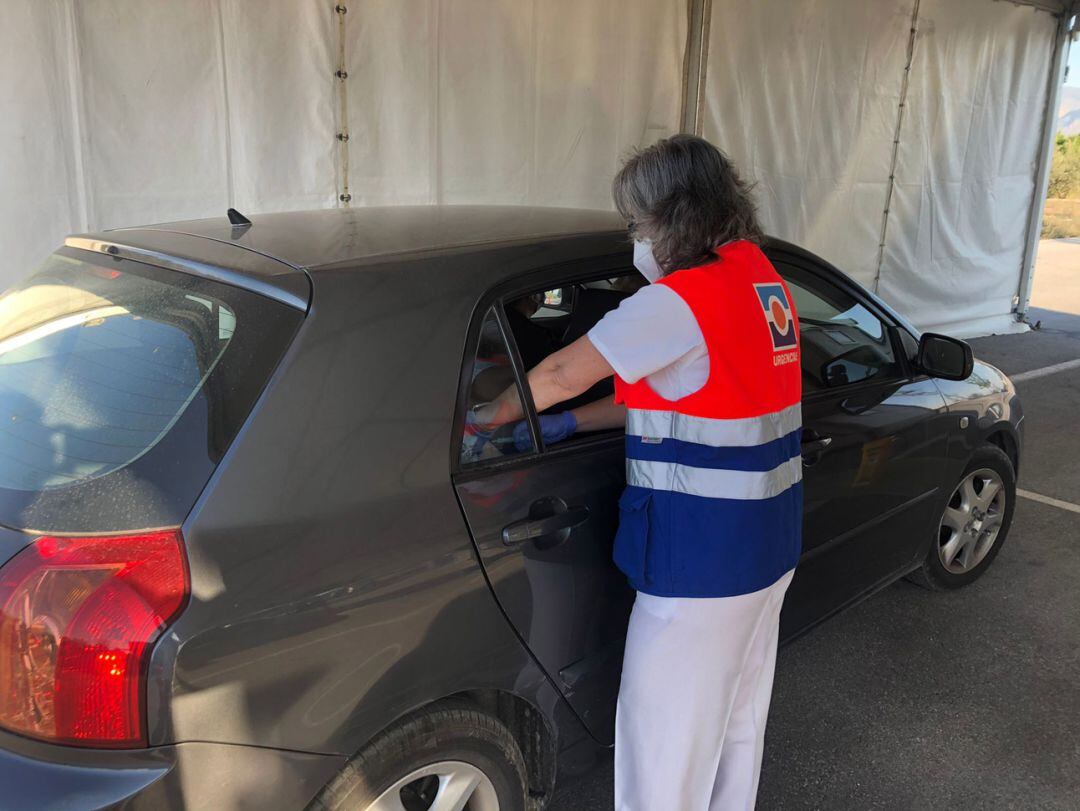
(546, 320)
(843, 342)
(491, 374)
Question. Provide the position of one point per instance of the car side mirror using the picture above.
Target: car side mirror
(944, 357)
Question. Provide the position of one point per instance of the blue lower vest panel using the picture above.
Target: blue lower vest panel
(673, 544)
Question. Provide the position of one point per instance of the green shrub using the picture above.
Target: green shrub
(1065, 170)
(1061, 218)
(1054, 229)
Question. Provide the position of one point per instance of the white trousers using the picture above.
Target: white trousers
(696, 684)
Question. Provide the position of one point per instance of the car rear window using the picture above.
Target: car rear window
(122, 384)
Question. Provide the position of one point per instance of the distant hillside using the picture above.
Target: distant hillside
(1069, 111)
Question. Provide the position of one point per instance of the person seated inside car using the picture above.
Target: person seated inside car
(590, 303)
(534, 341)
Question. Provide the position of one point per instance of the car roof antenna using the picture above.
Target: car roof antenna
(237, 219)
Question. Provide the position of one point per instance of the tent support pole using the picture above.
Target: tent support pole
(695, 60)
(913, 38)
(1046, 159)
(342, 74)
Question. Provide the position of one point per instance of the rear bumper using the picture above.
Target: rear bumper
(187, 775)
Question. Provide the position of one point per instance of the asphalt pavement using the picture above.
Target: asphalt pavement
(969, 699)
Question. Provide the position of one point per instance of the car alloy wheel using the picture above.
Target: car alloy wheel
(972, 521)
(450, 785)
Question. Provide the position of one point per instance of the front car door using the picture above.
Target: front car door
(544, 518)
(871, 446)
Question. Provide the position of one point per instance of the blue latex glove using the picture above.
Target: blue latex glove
(553, 427)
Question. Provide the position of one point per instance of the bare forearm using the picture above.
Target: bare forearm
(567, 373)
(547, 390)
(559, 377)
(600, 415)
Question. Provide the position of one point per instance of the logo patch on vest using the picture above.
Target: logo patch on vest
(777, 310)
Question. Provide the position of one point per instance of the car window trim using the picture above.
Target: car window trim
(611, 436)
(556, 275)
(461, 406)
(528, 407)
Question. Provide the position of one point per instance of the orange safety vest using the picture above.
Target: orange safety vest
(713, 503)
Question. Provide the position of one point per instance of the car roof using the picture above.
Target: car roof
(333, 237)
(276, 252)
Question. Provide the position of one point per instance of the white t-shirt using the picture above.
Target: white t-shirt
(653, 334)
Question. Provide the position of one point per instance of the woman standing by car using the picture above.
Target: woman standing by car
(707, 370)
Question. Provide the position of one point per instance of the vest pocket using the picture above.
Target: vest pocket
(632, 539)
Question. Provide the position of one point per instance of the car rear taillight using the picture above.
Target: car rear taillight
(78, 618)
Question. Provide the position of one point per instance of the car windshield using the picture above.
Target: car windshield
(121, 386)
(96, 365)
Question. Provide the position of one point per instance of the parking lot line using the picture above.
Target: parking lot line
(1046, 370)
(1053, 502)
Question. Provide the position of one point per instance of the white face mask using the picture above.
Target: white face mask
(644, 260)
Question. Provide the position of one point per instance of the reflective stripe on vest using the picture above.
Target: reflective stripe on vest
(744, 485)
(715, 433)
(753, 458)
(705, 519)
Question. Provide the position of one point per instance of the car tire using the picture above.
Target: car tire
(965, 517)
(440, 749)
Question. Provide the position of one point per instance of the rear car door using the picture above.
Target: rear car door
(871, 446)
(544, 519)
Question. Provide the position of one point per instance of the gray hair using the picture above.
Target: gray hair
(686, 196)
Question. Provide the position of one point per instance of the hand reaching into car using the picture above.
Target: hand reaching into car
(481, 429)
(553, 428)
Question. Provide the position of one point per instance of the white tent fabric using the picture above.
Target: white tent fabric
(117, 112)
(966, 165)
(39, 194)
(474, 101)
(809, 111)
(121, 112)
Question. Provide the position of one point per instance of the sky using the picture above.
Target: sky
(1074, 65)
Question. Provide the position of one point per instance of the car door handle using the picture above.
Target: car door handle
(547, 517)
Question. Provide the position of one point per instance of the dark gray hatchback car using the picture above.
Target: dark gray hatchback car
(253, 555)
